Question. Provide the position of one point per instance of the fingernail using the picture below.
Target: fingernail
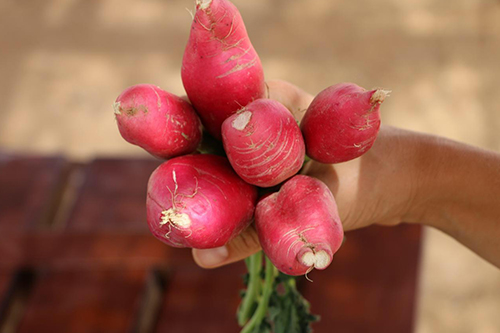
(212, 257)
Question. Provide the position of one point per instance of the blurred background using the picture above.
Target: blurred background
(63, 63)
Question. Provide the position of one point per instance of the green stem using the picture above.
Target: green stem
(261, 311)
(254, 265)
(248, 263)
(292, 283)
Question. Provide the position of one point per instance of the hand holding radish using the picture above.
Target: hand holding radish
(207, 202)
(405, 177)
(358, 185)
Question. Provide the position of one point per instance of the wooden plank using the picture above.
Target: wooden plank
(370, 287)
(371, 284)
(198, 300)
(113, 195)
(16, 287)
(88, 249)
(106, 242)
(85, 301)
(5, 280)
(151, 302)
(27, 190)
(106, 224)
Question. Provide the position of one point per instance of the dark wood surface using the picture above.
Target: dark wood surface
(5, 280)
(84, 301)
(28, 188)
(198, 300)
(112, 196)
(77, 256)
(371, 284)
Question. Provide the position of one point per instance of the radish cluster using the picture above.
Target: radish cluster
(202, 200)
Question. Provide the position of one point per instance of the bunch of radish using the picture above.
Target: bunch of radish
(202, 200)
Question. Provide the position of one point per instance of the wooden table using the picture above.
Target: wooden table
(77, 256)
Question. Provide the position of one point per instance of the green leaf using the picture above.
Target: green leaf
(289, 312)
(281, 308)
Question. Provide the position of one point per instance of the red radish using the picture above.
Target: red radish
(221, 71)
(299, 227)
(198, 201)
(342, 122)
(163, 124)
(263, 143)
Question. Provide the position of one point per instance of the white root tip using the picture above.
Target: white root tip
(190, 13)
(379, 96)
(309, 271)
(241, 120)
(180, 220)
(318, 260)
(116, 108)
(203, 4)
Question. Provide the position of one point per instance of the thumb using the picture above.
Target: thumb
(292, 97)
(244, 245)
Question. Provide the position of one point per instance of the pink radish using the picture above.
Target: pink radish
(263, 143)
(299, 227)
(198, 201)
(342, 122)
(161, 123)
(221, 71)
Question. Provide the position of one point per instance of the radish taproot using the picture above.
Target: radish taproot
(263, 143)
(221, 70)
(198, 201)
(299, 227)
(342, 122)
(163, 124)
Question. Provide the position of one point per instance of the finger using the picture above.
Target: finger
(244, 245)
(184, 97)
(342, 180)
(294, 98)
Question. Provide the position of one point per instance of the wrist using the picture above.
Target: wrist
(433, 181)
(410, 175)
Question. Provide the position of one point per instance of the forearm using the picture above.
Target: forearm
(458, 192)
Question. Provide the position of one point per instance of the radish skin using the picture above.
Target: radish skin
(161, 123)
(221, 70)
(342, 122)
(299, 227)
(198, 201)
(263, 143)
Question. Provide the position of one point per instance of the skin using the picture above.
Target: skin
(406, 177)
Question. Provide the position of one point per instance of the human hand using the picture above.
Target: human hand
(373, 189)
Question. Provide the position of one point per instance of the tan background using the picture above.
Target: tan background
(63, 62)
